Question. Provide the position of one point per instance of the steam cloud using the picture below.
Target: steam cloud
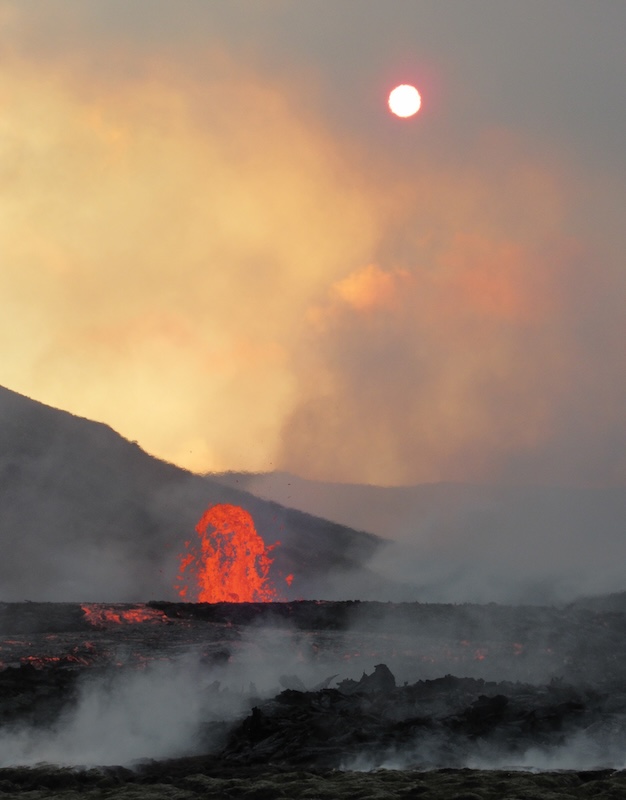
(167, 709)
(154, 713)
(183, 233)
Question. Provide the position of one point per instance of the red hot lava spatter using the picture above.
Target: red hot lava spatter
(229, 563)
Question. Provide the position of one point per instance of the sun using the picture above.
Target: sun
(404, 101)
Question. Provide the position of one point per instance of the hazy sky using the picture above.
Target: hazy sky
(215, 238)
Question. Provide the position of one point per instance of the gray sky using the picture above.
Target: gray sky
(216, 238)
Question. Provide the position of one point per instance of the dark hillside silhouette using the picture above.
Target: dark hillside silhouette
(87, 515)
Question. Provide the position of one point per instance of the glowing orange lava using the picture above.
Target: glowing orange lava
(229, 563)
(99, 615)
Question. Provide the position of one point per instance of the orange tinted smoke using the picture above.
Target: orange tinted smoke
(229, 563)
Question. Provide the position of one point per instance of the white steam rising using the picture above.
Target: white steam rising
(586, 750)
(154, 713)
(168, 709)
(164, 710)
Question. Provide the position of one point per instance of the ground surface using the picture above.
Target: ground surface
(201, 779)
(310, 700)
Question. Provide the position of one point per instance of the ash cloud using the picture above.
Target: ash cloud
(490, 356)
(236, 278)
(226, 209)
(187, 231)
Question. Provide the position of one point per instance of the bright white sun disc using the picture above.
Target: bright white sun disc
(404, 101)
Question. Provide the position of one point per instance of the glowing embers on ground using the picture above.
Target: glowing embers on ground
(229, 563)
(100, 615)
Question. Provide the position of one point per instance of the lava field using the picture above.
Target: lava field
(225, 690)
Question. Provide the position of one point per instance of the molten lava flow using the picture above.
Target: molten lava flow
(99, 615)
(228, 564)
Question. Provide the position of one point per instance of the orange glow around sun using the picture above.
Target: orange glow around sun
(404, 101)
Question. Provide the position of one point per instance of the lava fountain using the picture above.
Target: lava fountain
(229, 563)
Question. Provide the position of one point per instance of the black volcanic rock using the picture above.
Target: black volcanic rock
(210, 779)
(60, 665)
(417, 724)
(88, 515)
(381, 680)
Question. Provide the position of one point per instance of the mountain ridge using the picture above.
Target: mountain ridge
(87, 515)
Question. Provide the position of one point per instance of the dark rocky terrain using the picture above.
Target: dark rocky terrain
(202, 778)
(303, 698)
(328, 700)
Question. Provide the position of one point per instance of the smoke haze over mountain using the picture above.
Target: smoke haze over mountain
(87, 515)
(240, 265)
(218, 242)
(230, 276)
(472, 543)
